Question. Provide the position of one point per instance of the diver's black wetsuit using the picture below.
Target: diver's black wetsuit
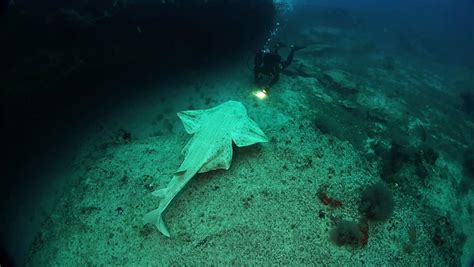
(270, 64)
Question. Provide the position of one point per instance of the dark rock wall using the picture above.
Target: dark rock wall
(55, 55)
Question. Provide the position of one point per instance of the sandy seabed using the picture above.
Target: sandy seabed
(323, 120)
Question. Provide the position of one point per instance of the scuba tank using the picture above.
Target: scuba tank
(258, 59)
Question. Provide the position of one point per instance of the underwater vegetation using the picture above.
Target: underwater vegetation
(327, 200)
(376, 203)
(392, 159)
(348, 233)
(445, 238)
(399, 156)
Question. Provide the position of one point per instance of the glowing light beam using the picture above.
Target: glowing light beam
(261, 94)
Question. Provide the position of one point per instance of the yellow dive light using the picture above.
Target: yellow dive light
(261, 94)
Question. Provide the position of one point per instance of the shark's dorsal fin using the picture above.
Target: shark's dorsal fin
(191, 120)
(248, 134)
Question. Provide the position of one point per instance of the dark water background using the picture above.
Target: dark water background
(62, 61)
(57, 55)
(445, 27)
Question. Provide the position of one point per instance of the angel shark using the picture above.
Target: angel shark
(210, 148)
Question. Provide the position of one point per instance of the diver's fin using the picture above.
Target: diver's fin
(281, 44)
(297, 47)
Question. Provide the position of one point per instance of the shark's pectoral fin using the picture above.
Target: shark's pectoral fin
(155, 217)
(191, 120)
(220, 160)
(248, 134)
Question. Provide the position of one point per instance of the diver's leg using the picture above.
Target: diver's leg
(257, 75)
(276, 77)
(256, 71)
(289, 59)
(258, 59)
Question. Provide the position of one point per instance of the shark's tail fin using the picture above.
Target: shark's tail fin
(155, 217)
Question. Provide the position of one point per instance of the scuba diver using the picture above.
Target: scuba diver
(268, 64)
